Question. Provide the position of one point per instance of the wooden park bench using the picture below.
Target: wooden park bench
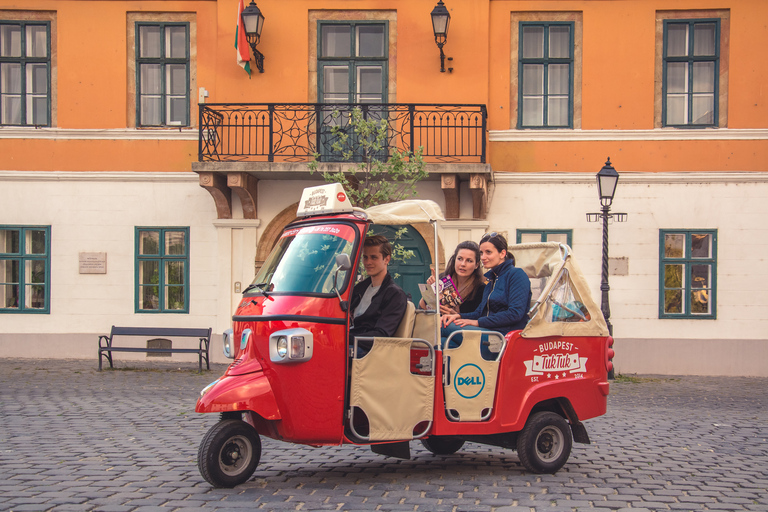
(106, 342)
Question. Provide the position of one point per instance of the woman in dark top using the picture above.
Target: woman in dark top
(464, 270)
(506, 297)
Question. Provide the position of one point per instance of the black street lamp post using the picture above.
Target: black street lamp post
(607, 179)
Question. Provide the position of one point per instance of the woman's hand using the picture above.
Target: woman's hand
(445, 310)
(463, 322)
(431, 280)
(446, 320)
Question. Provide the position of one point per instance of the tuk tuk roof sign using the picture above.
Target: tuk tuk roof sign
(324, 199)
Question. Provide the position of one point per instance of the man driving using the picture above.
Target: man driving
(378, 304)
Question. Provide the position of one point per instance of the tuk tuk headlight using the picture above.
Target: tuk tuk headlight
(290, 346)
(282, 347)
(227, 344)
(244, 339)
(208, 387)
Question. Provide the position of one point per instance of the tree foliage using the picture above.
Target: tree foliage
(384, 174)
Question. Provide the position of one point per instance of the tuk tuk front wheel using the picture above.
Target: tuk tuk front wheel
(229, 453)
(545, 442)
(442, 445)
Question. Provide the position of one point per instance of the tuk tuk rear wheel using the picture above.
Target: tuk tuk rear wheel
(545, 442)
(229, 453)
(442, 445)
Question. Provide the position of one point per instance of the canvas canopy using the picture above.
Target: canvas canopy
(565, 306)
(409, 211)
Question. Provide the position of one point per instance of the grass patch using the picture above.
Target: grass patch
(156, 370)
(634, 379)
(631, 379)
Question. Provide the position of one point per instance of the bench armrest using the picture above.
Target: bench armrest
(107, 338)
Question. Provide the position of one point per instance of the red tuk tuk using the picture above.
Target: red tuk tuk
(295, 378)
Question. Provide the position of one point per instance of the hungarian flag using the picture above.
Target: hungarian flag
(241, 41)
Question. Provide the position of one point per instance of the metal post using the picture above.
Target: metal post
(200, 137)
(438, 341)
(607, 179)
(271, 109)
(604, 286)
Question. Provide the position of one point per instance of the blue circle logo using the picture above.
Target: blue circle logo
(469, 381)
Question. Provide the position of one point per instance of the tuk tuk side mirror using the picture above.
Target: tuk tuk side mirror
(342, 263)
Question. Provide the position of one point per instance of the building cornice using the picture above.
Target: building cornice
(159, 177)
(662, 134)
(14, 132)
(632, 177)
(672, 134)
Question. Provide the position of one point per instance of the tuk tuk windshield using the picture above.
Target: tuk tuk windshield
(304, 260)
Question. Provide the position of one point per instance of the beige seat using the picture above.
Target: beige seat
(405, 329)
(471, 387)
(424, 326)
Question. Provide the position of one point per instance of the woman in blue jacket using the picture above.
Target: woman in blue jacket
(506, 297)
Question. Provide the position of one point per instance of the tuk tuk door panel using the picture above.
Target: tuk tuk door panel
(395, 395)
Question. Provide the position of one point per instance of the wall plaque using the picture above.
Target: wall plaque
(93, 263)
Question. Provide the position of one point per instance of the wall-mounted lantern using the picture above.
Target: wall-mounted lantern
(441, 18)
(254, 22)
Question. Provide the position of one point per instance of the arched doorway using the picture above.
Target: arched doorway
(409, 273)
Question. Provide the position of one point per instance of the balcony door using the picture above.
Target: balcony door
(352, 68)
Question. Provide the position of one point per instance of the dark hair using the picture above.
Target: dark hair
(499, 242)
(450, 267)
(380, 241)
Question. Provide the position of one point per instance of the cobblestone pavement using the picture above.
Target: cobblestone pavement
(74, 439)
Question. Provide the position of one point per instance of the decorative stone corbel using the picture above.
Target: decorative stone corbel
(246, 187)
(216, 184)
(450, 185)
(478, 184)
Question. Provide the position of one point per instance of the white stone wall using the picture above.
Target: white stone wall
(734, 204)
(98, 213)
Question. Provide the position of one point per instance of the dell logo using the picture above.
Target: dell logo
(469, 381)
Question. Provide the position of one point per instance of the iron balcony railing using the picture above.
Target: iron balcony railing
(296, 132)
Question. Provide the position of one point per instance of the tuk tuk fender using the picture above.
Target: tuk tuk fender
(251, 392)
(585, 399)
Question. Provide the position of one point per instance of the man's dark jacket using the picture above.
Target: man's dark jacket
(384, 314)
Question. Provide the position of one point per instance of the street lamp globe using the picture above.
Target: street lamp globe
(607, 179)
(253, 21)
(441, 18)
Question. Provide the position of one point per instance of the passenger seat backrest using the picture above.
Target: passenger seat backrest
(405, 329)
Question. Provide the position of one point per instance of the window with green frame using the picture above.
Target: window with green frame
(25, 269)
(532, 236)
(688, 273)
(352, 61)
(162, 270)
(25, 73)
(691, 70)
(546, 75)
(162, 74)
